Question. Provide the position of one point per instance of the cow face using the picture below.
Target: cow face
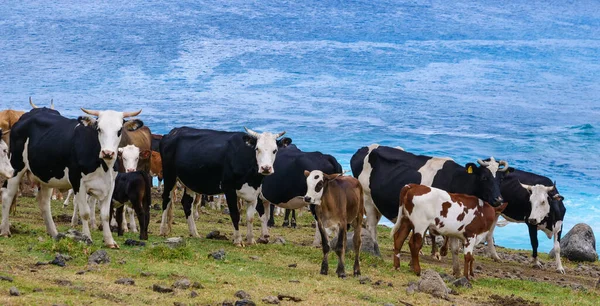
(489, 179)
(539, 200)
(130, 156)
(266, 146)
(6, 170)
(109, 125)
(315, 183)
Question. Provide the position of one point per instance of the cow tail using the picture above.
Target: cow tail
(403, 199)
(148, 191)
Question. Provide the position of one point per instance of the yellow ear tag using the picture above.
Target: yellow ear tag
(470, 170)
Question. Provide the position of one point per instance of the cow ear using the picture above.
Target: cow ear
(133, 124)
(509, 170)
(145, 154)
(87, 120)
(471, 168)
(558, 197)
(284, 142)
(120, 151)
(306, 173)
(249, 140)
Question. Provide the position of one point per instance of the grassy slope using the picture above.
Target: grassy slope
(267, 275)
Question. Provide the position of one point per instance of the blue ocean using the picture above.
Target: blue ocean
(517, 80)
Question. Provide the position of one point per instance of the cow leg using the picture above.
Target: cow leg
(454, 248)
(265, 219)
(9, 192)
(234, 213)
(444, 249)
(271, 221)
(119, 216)
(43, 198)
(92, 203)
(104, 217)
(167, 206)
(415, 244)
(357, 225)
(491, 247)
(75, 217)
(293, 221)
(81, 201)
(286, 218)
(340, 250)
(123, 225)
(434, 247)
(187, 201)
(373, 217)
(66, 202)
(196, 207)
(250, 211)
(399, 238)
(137, 202)
(131, 213)
(557, 231)
(325, 247)
(469, 259)
(534, 245)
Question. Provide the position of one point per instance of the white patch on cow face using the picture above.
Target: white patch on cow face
(266, 151)
(6, 169)
(130, 155)
(493, 166)
(315, 184)
(109, 125)
(540, 208)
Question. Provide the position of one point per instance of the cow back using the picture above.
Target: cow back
(343, 193)
(289, 181)
(7, 119)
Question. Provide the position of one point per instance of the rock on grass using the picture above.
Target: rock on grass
(161, 289)
(99, 257)
(183, 283)
(14, 291)
(431, 282)
(218, 255)
(6, 278)
(125, 281)
(271, 300)
(241, 294)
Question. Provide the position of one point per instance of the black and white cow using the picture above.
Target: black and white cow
(66, 153)
(383, 171)
(532, 199)
(286, 188)
(213, 162)
(6, 170)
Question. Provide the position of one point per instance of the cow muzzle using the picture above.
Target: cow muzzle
(130, 170)
(307, 199)
(7, 172)
(532, 221)
(266, 170)
(107, 154)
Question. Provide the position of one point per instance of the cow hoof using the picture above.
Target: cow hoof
(342, 275)
(437, 256)
(356, 273)
(113, 246)
(262, 240)
(560, 270)
(5, 235)
(250, 241)
(286, 224)
(323, 272)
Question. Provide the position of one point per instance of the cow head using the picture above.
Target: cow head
(315, 185)
(6, 170)
(109, 125)
(487, 179)
(540, 200)
(130, 155)
(266, 146)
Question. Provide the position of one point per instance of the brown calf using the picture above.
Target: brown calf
(339, 202)
(459, 216)
(156, 167)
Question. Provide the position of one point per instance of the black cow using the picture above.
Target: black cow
(532, 199)
(66, 153)
(156, 142)
(286, 188)
(212, 162)
(383, 171)
(134, 188)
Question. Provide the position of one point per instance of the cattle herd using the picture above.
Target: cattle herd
(105, 159)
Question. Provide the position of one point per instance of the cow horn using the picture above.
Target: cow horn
(280, 134)
(51, 103)
(550, 188)
(91, 112)
(251, 132)
(31, 103)
(131, 114)
(503, 163)
(481, 162)
(528, 187)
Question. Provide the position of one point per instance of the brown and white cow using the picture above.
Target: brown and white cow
(454, 215)
(156, 167)
(339, 202)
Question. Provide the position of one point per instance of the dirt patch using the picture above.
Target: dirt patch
(497, 300)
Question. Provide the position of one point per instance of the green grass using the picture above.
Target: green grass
(267, 275)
